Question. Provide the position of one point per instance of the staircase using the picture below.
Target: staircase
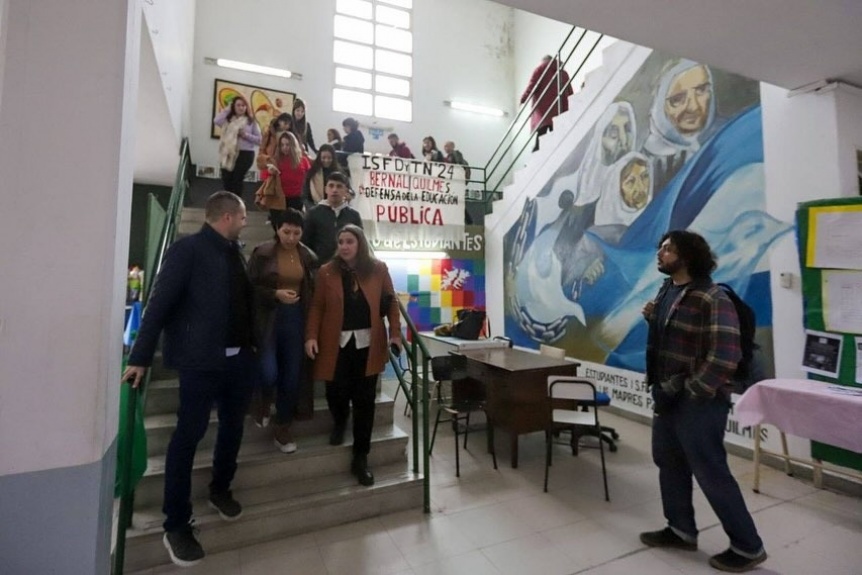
(281, 494)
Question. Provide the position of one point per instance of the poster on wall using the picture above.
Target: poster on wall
(834, 234)
(265, 103)
(679, 146)
(405, 200)
(822, 353)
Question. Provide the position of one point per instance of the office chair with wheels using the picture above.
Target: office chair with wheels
(607, 434)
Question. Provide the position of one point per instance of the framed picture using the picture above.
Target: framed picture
(822, 353)
(265, 103)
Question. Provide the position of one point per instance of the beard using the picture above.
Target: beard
(671, 268)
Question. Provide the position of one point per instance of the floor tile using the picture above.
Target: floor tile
(473, 563)
(490, 525)
(530, 554)
(374, 554)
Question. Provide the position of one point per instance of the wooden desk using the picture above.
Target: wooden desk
(516, 388)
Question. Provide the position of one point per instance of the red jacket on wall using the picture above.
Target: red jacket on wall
(545, 76)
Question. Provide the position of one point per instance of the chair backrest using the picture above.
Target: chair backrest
(577, 388)
(551, 351)
(448, 367)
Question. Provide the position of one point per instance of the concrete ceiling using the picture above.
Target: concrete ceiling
(789, 43)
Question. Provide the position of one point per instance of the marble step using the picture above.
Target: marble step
(275, 511)
(159, 427)
(261, 464)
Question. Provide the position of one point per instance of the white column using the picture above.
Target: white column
(67, 103)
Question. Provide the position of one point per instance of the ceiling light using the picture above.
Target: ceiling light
(257, 69)
(475, 108)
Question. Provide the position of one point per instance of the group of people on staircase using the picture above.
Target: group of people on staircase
(274, 326)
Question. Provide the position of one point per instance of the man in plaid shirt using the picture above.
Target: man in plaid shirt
(692, 353)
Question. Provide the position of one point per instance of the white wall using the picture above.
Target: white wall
(848, 103)
(462, 49)
(171, 26)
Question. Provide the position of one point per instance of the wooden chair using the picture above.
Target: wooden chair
(467, 396)
(579, 391)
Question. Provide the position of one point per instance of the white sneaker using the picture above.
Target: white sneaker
(289, 447)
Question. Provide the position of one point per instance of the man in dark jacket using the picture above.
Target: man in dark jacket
(693, 349)
(325, 219)
(202, 299)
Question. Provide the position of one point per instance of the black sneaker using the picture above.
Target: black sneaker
(183, 547)
(359, 468)
(666, 538)
(734, 562)
(228, 508)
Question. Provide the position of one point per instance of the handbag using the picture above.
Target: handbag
(268, 196)
(470, 324)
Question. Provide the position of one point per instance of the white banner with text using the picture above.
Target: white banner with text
(406, 200)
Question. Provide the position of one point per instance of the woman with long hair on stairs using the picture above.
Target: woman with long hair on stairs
(347, 339)
(282, 272)
(240, 135)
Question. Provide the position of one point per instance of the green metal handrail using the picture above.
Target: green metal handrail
(138, 395)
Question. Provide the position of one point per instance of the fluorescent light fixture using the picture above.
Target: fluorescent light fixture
(475, 108)
(257, 69)
(410, 255)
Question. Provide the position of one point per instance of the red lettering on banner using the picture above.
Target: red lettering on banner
(419, 215)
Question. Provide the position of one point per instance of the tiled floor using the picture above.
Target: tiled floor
(500, 522)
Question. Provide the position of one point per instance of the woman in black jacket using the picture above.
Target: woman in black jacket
(354, 141)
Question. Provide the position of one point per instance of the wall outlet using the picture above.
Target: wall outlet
(786, 280)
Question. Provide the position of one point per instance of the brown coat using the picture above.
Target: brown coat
(326, 317)
(266, 152)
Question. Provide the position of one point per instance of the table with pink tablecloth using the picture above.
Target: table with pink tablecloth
(824, 412)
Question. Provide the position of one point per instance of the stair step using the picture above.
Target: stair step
(274, 511)
(159, 427)
(260, 463)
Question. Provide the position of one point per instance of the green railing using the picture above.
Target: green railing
(413, 381)
(500, 164)
(137, 396)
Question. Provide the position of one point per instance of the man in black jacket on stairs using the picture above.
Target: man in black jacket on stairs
(202, 299)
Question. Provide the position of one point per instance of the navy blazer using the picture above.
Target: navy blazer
(190, 301)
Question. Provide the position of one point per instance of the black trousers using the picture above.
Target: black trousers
(541, 132)
(232, 180)
(351, 385)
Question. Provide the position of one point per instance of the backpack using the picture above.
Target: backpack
(743, 378)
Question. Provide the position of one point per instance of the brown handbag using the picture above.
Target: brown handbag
(268, 196)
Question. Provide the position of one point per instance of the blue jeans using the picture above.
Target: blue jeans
(229, 389)
(688, 439)
(281, 359)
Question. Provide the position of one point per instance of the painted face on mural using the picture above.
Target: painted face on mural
(635, 184)
(668, 259)
(617, 138)
(688, 100)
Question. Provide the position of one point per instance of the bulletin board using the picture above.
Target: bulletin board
(829, 239)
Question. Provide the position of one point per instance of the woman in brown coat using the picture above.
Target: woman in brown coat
(281, 271)
(347, 339)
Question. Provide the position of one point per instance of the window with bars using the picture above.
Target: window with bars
(373, 56)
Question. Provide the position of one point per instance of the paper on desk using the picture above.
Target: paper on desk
(834, 236)
(842, 301)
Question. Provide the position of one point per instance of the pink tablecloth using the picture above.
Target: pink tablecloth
(805, 408)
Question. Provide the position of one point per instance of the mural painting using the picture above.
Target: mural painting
(681, 147)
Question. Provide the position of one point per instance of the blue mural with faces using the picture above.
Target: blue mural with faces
(681, 147)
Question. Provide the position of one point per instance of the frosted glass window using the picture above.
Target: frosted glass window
(394, 39)
(358, 8)
(355, 55)
(392, 17)
(352, 78)
(395, 86)
(353, 29)
(393, 108)
(351, 102)
(393, 63)
(400, 3)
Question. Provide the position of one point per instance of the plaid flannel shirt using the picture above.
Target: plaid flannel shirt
(698, 343)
